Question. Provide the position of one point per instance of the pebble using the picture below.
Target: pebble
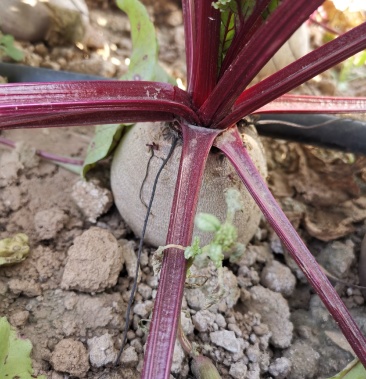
(279, 278)
(280, 368)
(186, 322)
(130, 258)
(225, 339)
(220, 320)
(143, 309)
(129, 357)
(94, 262)
(70, 356)
(304, 360)
(101, 350)
(92, 198)
(275, 313)
(337, 257)
(238, 370)
(203, 320)
(178, 358)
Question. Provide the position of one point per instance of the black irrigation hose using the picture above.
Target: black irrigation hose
(331, 132)
(335, 133)
(17, 73)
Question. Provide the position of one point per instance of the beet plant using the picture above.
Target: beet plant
(227, 44)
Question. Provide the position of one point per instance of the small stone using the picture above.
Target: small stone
(145, 291)
(225, 339)
(238, 370)
(70, 356)
(101, 350)
(337, 257)
(253, 353)
(19, 318)
(203, 320)
(220, 320)
(49, 222)
(280, 368)
(130, 258)
(129, 357)
(92, 199)
(279, 278)
(304, 360)
(186, 322)
(178, 358)
(143, 309)
(275, 313)
(94, 262)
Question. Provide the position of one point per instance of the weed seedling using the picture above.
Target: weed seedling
(226, 46)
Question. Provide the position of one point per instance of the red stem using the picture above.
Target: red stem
(189, 19)
(314, 104)
(232, 146)
(297, 73)
(205, 51)
(197, 143)
(256, 53)
(51, 102)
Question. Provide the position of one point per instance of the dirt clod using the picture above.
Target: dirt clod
(92, 199)
(101, 350)
(70, 356)
(94, 262)
(49, 222)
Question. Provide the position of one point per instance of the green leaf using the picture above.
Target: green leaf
(15, 361)
(8, 48)
(207, 222)
(144, 59)
(105, 140)
(353, 370)
(143, 66)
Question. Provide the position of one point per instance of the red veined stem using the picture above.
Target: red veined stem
(231, 145)
(297, 73)
(189, 19)
(197, 143)
(314, 104)
(204, 52)
(64, 103)
(255, 54)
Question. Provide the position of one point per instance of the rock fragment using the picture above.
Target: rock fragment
(238, 370)
(280, 368)
(92, 199)
(94, 262)
(101, 350)
(225, 339)
(275, 313)
(279, 278)
(70, 356)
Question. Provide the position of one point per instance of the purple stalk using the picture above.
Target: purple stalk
(204, 52)
(297, 73)
(197, 143)
(45, 155)
(255, 54)
(70, 101)
(231, 145)
(189, 19)
(244, 33)
(314, 104)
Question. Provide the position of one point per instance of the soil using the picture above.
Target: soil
(69, 295)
